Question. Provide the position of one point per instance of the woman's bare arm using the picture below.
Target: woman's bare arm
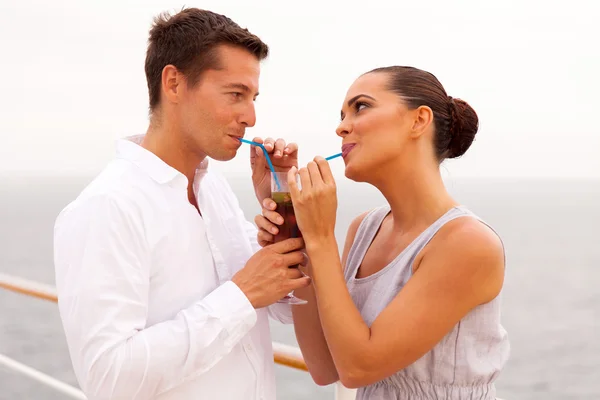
(307, 324)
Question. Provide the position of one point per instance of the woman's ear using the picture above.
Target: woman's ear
(422, 120)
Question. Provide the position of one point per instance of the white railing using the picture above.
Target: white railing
(42, 378)
(285, 355)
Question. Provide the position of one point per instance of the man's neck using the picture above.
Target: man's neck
(168, 145)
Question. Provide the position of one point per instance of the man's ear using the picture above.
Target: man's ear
(171, 84)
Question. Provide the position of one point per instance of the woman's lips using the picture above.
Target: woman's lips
(347, 148)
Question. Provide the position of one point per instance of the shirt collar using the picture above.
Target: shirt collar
(129, 148)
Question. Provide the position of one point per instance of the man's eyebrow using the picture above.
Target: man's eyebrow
(241, 87)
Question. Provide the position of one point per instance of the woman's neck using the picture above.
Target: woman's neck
(417, 196)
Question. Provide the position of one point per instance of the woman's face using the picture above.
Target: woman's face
(376, 127)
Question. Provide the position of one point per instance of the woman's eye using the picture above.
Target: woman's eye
(359, 106)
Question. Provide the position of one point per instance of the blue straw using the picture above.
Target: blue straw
(269, 160)
(266, 156)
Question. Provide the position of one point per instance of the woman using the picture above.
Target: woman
(412, 309)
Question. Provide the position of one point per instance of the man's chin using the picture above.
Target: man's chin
(224, 155)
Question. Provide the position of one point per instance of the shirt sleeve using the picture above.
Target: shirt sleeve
(278, 311)
(102, 265)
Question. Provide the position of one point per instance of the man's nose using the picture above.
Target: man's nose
(248, 117)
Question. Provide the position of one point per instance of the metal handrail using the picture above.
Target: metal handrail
(28, 287)
(288, 356)
(49, 381)
(283, 355)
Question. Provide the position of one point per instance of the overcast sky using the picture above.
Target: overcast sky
(73, 78)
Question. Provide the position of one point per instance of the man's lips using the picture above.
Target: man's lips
(236, 139)
(347, 148)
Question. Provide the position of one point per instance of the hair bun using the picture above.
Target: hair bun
(464, 125)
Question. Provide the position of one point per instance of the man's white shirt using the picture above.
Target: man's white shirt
(145, 292)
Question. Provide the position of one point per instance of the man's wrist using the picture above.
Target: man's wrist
(248, 293)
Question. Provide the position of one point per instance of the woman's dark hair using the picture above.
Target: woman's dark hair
(456, 123)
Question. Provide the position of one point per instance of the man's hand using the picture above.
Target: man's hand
(267, 276)
(268, 223)
(283, 157)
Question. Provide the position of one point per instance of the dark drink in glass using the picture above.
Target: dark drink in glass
(285, 208)
(289, 229)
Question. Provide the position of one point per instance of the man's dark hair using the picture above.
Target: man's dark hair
(188, 41)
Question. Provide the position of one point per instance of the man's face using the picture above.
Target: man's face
(217, 110)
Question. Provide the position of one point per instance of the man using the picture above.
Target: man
(163, 291)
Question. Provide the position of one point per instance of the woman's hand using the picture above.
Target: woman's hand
(315, 205)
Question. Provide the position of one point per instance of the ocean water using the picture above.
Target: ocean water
(551, 306)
